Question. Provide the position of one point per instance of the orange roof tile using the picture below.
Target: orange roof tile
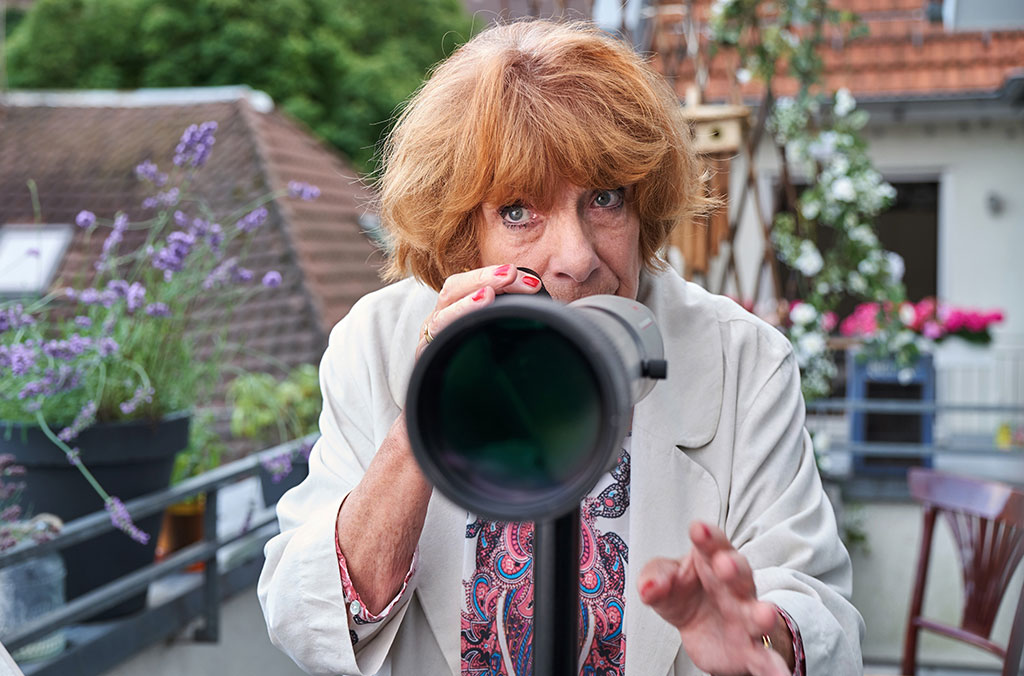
(903, 56)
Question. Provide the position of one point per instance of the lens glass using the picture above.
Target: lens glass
(519, 411)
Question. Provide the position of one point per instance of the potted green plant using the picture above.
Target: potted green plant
(35, 586)
(183, 522)
(274, 411)
(98, 379)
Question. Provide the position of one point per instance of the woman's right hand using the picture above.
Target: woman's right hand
(467, 292)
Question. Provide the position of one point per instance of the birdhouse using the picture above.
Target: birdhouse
(718, 136)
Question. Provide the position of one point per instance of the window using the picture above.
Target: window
(30, 256)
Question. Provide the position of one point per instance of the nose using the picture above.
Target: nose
(573, 253)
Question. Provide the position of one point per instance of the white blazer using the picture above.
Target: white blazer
(722, 439)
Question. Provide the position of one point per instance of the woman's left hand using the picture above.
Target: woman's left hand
(709, 596)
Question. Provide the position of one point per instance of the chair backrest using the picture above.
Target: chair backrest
(987, 520)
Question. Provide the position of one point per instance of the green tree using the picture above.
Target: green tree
(340, 66)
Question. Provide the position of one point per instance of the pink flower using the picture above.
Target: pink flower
(932, 330)
(829, 321)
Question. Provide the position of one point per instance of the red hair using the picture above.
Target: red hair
(514, 113)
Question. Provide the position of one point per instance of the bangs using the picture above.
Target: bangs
(550, 130)
(512, 116)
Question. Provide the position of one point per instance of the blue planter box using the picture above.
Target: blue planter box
(881, 379)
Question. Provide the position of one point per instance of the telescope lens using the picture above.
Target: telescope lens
(518, 410)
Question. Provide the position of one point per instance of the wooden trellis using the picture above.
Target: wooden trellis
(681, 55)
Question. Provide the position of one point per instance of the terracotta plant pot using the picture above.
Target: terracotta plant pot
(182, 526)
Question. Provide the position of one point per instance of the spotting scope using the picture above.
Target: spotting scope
(515, 411)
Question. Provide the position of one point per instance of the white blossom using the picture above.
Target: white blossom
(907, 314)
(809, 262)
(896, 266)
(845, 103)
(905, 375)
(803, 313)
(743, 75)
(864, 235)
(810, 345)
(857, 283)
(810, 209)
(842, 189)
(867, 267)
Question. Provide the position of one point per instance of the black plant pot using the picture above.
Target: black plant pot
(272, 491)
(129, 459)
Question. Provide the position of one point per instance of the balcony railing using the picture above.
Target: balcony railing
(96, 648)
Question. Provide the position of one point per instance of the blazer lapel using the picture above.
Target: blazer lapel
(441, 549)
(669, 488)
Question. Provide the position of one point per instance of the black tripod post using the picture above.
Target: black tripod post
(556, 595)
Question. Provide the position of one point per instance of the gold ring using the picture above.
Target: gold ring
(426, 330)
(767, 640)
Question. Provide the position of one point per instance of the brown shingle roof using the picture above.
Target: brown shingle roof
(903, 56)
(83, 157)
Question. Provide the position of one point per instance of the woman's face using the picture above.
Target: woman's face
(588, 242)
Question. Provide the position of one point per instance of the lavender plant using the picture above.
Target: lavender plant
(123, 343)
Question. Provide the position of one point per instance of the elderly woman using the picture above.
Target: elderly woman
(709, 547)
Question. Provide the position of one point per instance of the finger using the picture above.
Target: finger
(524, 282)
(458, 286)
(764, 661)
(734, 571)
(671, 588)
(480, 297)
(708, 539)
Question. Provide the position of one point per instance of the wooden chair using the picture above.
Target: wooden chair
(987, 519)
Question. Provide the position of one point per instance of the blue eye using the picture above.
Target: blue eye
(515, 215)
(608, 199)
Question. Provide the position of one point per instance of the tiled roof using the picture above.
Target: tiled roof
(83, 157)
(904, 56)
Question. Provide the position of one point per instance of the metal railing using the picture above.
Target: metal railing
(209, 592)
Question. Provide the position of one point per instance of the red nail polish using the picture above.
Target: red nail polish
(705, 530)
(479, 295)
(531, 282)
(646, 587)
(503, 270)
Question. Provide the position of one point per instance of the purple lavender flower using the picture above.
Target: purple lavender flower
(19, 357)
(85, 417)
(11, 513)
(167, 198)
(89, 296)
(53, 382)
(107, 346)
(121, 519)
(303, 191)
(134, 297)
(75, 457)
(216, 237)
(279, 466)
(195, 145)
(142, 395)
(65, 350)
(158, 310)
(180, 219)
(272, 279)
(221, 274)
(243, 274)
(14, 317)
(171, 257)
(83, 322)
(148, 171)
(113, 239)
(252, 220)
(85, 219)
